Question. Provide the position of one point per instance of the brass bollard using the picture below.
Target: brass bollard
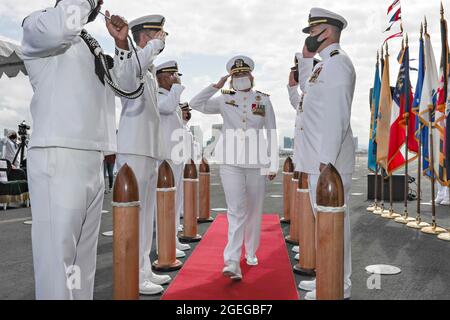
(306, 230)
(204, 215)
(126, 235)
(292, 238)
(166, 235)
(330, 235)
(190, 230)
(288, 172)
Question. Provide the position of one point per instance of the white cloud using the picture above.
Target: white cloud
(204, 34)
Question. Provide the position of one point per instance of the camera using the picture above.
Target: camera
(23, 129)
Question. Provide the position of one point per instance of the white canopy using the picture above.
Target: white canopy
(11, 62)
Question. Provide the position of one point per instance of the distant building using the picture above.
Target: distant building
(197, 133)
(288, 143)
(356, 143)
(216, 132)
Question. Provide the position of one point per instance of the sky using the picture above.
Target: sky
(204, 35)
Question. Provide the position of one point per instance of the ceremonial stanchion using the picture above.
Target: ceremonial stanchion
(292, 238)
(307, 230)
(126, 235)
(288, 172)
(204, 215)
(166, 221)
(433, 229)
(330, 236)
(190, 229)
(405, 219)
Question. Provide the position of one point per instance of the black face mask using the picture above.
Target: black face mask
(313, 43)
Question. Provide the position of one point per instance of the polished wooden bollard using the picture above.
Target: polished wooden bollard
(306, 230)
(166, 221)
(292, 238)
(330, 236)
(204, 215)
(288, 172)
(126, 235)
(190, 227)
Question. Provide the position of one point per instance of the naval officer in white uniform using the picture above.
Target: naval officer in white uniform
(247, 158)
(140, 143)
(74, 124)
(323, 131)
(169, 95)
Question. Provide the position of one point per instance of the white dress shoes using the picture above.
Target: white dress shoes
(183, 246)
(251, 260)
(159, 279)
(147, 288)
(233, 271)
(180, 254)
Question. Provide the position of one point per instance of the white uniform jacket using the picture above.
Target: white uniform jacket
(140, 123)
(239, 145)
(323, 132)
(169, 110)
(70, 108)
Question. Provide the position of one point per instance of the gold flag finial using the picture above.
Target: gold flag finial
(421, 31)
(401, 27)
(382, 52)
(406, 40)
(378, 56)
(442, 10)
(387, 49)
(426, 25)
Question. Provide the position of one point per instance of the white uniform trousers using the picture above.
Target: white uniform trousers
(146, 172)
(347, 182)
(244, 192)
(66, 190)
(178, 173)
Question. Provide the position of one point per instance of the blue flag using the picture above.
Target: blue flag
(422, 132)
(375, 103)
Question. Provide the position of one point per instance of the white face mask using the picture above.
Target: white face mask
(242, 84)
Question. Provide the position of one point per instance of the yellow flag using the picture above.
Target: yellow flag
(384, 118)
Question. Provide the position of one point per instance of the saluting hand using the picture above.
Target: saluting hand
(292, 82)
(118, 29)
(222, 82)
(161, 35)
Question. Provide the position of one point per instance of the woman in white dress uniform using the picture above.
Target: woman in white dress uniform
(245, 155)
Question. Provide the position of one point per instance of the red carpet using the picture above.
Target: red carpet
(201, 277)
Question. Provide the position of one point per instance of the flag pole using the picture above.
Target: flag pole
(375, 207)
(390, 214)
(418, 224)
(405, 219)
(434, 229)
(445, 235)
(381, 208)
